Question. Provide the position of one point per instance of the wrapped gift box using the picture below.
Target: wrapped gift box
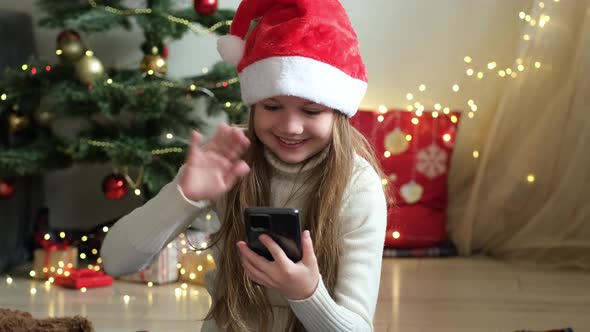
(164, 269)
(194, 264)
(87, 278)
(53, 259)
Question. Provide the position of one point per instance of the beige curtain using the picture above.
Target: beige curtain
(539, 127)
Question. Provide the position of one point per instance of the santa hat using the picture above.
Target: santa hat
(303, 48)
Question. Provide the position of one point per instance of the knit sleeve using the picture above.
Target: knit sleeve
(137, 238)
(364, 219)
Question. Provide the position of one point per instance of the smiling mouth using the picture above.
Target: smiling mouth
(291, 142)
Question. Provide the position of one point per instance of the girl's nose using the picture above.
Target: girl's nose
(291, 124)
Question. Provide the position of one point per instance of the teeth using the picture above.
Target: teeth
(290, 142)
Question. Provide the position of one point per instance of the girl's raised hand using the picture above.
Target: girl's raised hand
(213, 169)
(295, 281)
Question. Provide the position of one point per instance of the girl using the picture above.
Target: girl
(301, 71)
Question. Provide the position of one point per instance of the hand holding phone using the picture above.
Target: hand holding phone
(281, 224)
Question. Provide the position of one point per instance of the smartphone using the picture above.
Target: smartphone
(281, 224)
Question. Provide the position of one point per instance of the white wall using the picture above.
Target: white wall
(404, 43)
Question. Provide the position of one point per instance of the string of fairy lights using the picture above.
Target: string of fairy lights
(489, 69)
(148, 11)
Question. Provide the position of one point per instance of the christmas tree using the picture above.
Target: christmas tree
(133, 119)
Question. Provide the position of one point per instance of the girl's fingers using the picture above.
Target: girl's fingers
(238, 170)
(309, 258)
(194, 149)
(275, 250)
(254, 263)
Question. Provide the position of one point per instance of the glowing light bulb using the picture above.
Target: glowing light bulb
(408, 137)
(526, 37)
(475, 154)
(447, 137)
(470, 72)
(137, 192)
(380, 118)
(415, 121)
(387, 154)
(456, 87)
(435, 114)
(9, 280)
(396, 235)
(454, 119)
(471, 115)
(32, 274)
(409, 96)
(467, 59)
(446, 110)
(84, 238)
(33, 291)
(530, 178)
(126, 298)
(437, 106)
(480, 75)
(537, 64)
(382, 108)
(422, 87)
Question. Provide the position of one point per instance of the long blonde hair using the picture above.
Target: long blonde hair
(238, 303)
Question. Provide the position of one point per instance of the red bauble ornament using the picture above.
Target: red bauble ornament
(165, 52)
(6, 188)
(114, 186)
(67, 35)
(205, 7)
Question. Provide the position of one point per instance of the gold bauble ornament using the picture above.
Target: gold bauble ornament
(396, 142)
(70, 50)
(17, 122)
(154, 64)
(89, 68)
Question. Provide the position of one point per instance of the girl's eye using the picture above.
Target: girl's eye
(311, 112)
(271, 107)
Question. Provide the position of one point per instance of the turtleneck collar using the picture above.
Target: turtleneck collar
(301, 167)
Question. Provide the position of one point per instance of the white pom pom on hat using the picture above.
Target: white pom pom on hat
(231, 49)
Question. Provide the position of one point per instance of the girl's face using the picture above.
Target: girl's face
(292, 128)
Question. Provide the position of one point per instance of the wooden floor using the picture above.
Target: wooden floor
(416, 295)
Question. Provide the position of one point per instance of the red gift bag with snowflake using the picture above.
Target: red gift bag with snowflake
(415, 152)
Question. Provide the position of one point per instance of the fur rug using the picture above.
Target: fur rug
(20, 321)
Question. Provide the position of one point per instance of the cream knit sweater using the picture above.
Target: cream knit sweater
(136, 239)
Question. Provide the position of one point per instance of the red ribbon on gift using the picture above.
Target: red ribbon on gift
(50, 247)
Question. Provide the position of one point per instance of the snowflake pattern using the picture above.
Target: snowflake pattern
(432, 161)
